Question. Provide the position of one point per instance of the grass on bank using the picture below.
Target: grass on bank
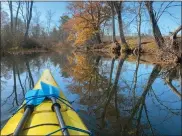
(148, 44)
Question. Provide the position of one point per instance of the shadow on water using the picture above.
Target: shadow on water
(113, 96)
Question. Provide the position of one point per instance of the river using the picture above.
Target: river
(113, 96)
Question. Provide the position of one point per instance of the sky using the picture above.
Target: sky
(166, 22)
(58, 8)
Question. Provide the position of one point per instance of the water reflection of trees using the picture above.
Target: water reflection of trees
(86, 76)
(21, 70)
(136, 111)
(17, 66)
(100, 82)
(116, 113)
(170, 74)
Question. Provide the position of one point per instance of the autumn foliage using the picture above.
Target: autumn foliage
(86, 20)
(81, 70)
(79, 30)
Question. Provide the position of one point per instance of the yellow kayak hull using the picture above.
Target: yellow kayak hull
(43, 120)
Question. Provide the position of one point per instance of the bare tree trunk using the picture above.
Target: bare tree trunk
(176, 31)
(114, 88)
(138, 50)
(11, 20)
(98, 37)
(170, 85)
(17, 11)
(135, 77)
(156, 31)
(30, 74)
(118, 8)
(116, 46)
(18, 73)
(138, 121)
(155, 72)
(112, 66)
(147, 117)
(29, 10)
(174, 36)
(14, 79)
(113, 23)
(139, 27)
(11, 15)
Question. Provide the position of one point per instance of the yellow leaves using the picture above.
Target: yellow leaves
(81, 31)
(87, 19)
(83, 35)
(80, 68)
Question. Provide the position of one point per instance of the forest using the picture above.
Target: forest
(86, 25)
(118, 63)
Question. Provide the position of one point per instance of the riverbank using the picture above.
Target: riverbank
(145, 58)
(23, 51)
(148, 49)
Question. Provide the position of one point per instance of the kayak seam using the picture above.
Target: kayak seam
(44, 124)
(38, 125)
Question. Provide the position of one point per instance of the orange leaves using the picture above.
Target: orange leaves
(79, 30)
(69, 24)
(87, 17)
(80, 69)
(84, 31)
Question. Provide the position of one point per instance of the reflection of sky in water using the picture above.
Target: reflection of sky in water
(157, 113)
(160, 117)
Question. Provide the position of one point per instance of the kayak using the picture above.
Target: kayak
(43, 120)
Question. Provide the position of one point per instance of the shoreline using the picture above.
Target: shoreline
(23, 51)
(150, 57)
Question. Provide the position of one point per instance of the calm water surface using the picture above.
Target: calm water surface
(112, 96)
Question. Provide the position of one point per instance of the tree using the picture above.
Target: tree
(11, 14)
(64, 19)
(54, 35)
(118, 7)
(156, 31)
(173, 37)
(49, 15)
(36, 28)
(114, 87)
(141, 101)
(80, 31)
(111, 4)
(172, 88)
(63, 34)
(139, 21)
(17, 12)
(88, 16)
(29, 6)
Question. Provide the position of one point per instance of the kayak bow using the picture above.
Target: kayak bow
(46, 118)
